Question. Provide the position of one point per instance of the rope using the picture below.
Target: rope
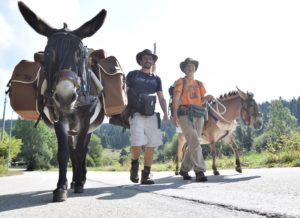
(220, 114)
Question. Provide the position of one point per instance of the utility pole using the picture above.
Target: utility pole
(3, 121)
(9, 145)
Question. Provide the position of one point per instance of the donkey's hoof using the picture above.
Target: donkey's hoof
(238, 169)
(216, 173)
(72, 185)
(60, 195)
(78, 189)
(176, 173)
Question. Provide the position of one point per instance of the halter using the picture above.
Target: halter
(246, 110)
(66, 58)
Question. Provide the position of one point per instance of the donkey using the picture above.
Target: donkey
(238, 104)
(71, 102)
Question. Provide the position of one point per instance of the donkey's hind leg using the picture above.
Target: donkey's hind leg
(180, 150)
(238, 166)
(213, 151)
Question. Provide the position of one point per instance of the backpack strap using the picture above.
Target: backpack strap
(184, 82)
(199, 85)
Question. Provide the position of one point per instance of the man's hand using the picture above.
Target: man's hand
(209, 98)
(166, 118)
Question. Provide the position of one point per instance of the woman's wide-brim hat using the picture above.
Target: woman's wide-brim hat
(145, 52)
(186, 61)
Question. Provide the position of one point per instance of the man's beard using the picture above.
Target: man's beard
(147, 65)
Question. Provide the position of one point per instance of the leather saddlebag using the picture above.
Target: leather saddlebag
(23, 89)
(114, 86)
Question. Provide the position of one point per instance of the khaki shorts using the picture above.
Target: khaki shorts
(144, 131)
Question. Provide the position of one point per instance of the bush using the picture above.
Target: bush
(89, 161)
(3, 166)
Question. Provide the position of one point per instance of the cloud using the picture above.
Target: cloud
(6, 36)
(55, 12)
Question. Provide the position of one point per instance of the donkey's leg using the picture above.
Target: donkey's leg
(238, 166)
(213, 151)
(80, 154)
(180, 147)
(72, 157)
(84, 171)
(60, 193)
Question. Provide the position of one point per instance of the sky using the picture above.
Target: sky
(253, 45)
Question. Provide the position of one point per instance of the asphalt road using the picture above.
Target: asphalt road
(254, 193)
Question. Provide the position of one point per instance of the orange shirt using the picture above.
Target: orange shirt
(192, 94)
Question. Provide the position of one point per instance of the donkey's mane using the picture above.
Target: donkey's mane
(228, 95)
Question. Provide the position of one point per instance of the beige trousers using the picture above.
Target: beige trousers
(193, 157)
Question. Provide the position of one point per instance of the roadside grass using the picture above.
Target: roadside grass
(249, 160)
(11, 172)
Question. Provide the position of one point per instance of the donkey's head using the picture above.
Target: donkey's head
(250, 113)
(65, 57)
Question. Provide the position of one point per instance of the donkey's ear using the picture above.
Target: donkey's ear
(242, 94)
(92, 26)
(35, 22)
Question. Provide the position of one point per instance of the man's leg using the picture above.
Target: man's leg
(148, 160)
(134, 171)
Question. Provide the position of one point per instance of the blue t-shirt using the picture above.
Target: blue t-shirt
(143, 83)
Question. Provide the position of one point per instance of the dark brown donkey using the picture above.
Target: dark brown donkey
(71, 91)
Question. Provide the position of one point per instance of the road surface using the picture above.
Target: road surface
(254, 193)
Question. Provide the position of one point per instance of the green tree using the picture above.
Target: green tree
(281, 124)
(39, 144)
(124, 157)
(15, 146)
(281, 121)
(95, 151)
(243, 136)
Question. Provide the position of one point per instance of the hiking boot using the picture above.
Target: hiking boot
(185, 175)
(146, 180)
(200, 177)
(134, 171)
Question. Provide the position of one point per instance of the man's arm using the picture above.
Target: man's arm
(176, 103)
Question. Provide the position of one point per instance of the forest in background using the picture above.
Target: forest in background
(37, 146)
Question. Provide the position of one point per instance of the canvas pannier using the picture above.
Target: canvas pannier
(114, 86)
(23, 89)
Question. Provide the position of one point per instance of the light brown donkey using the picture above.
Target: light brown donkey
(237, 104)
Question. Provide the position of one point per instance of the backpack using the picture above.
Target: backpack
(23, 89)
(114, 86)
(171, 93)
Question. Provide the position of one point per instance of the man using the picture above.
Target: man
(190, 114)
(144, 126)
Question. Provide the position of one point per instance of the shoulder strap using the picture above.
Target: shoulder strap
(199, 85)
(184, 82)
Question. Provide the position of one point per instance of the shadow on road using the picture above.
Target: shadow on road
(33, 199)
